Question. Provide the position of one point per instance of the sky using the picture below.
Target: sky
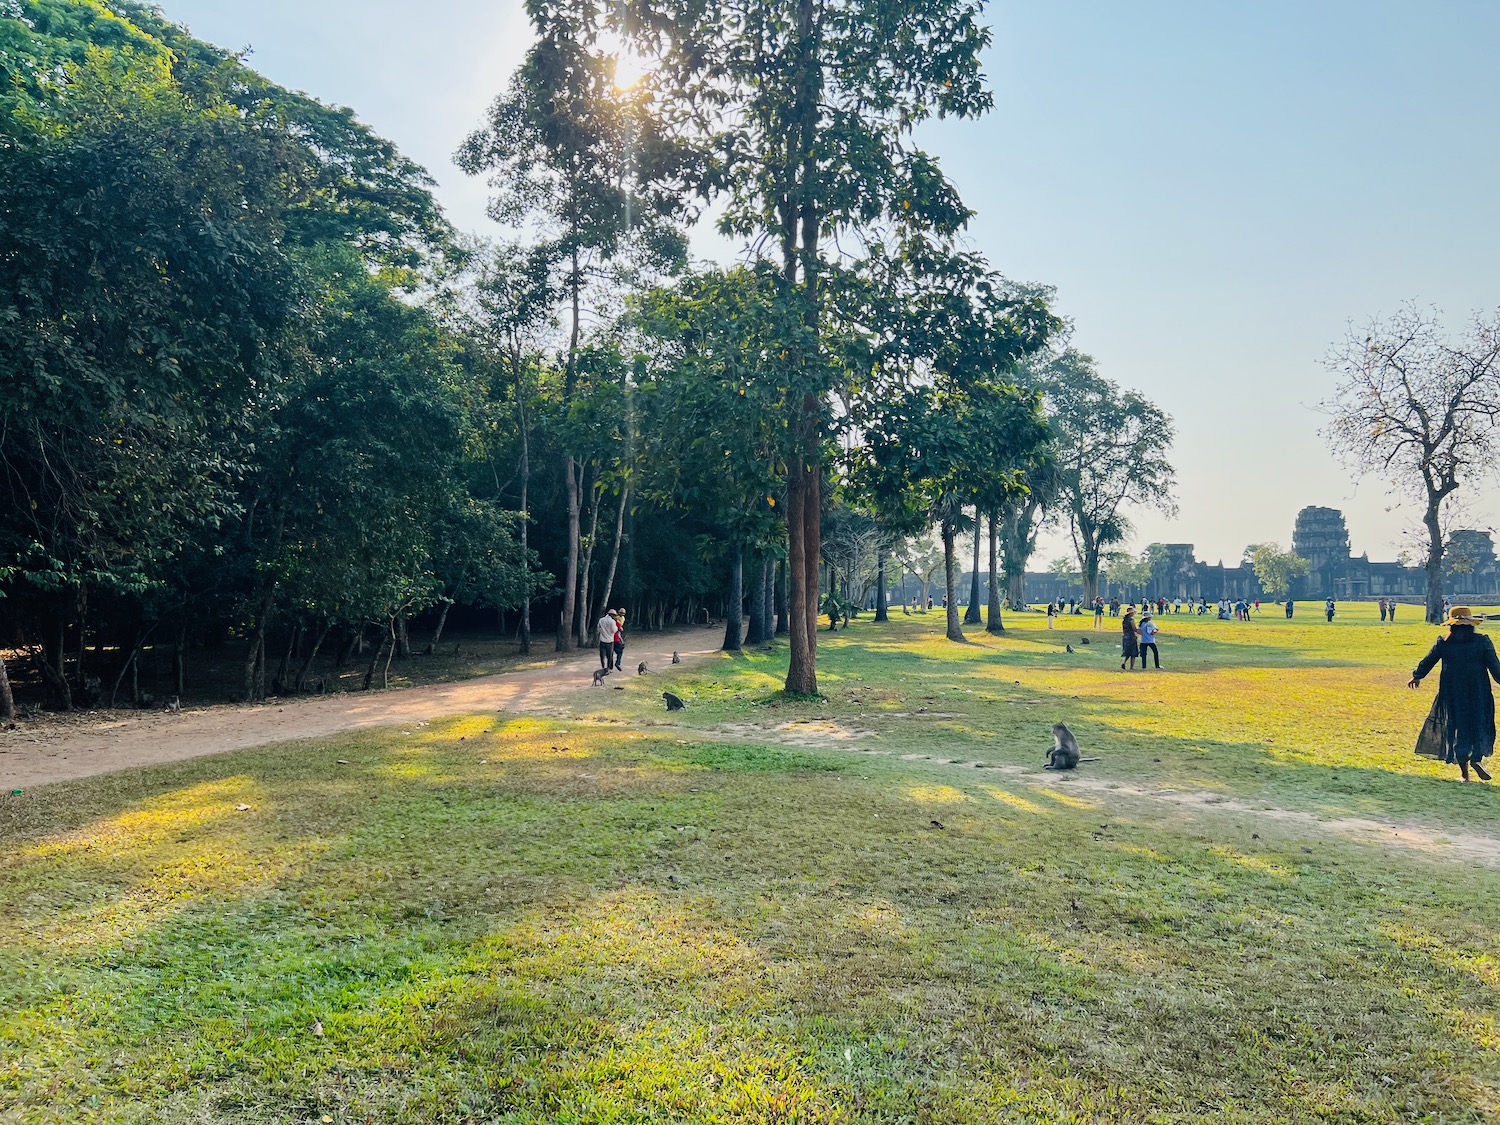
(1217, 192)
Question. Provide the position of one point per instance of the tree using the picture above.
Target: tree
(565, 147)
(1420, 408)
(1110, 449)
(1276, 569)
(800, 117)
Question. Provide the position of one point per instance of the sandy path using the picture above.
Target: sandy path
(35, 754)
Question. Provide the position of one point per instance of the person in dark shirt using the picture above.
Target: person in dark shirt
(1460, 728)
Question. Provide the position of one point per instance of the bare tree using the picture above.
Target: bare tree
(1421, 408)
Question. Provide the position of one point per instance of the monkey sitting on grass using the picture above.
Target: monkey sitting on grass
(1064, 754)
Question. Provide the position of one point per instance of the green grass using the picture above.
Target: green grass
(848, 910)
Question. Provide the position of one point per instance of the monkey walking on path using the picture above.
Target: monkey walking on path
(1064, 754)
(641, 669)
(599, 674)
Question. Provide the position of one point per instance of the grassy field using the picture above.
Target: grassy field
(872, 908)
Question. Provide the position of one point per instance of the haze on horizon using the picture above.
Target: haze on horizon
(1216, 192)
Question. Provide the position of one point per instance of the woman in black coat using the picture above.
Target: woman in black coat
(1130, 640)
(1461, 725)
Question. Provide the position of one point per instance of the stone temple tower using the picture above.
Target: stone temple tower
(1321, 538)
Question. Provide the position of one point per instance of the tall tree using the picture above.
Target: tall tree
(1111, 451)
(801, 116)
(565, 147)
(1275, 569)
(1420, 408)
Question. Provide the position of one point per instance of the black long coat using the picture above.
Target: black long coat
(1461, 725)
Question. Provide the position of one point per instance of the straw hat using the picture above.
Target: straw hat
(1461, 615)
(1129, 610)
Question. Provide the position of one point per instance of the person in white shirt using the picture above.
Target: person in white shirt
(1148, 641)
(607, 630)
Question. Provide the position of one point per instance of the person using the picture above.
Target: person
(1289, 607)
(1328, 608)
(1114, 607)
(1460, 728)
(607, 629)
(1130, 645)
(1176, 605)
(1051, 613)
(1390, 610)
(1382, 609)
(1148, 641)
(1257, 605)
(619, 638)
(1098, 612)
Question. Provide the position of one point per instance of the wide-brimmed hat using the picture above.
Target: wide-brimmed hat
(1461, 615)
(1129, 610)
(1147, 616)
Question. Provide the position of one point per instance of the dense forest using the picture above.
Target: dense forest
(259, 401)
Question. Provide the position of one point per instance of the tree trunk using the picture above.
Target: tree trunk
(971, 615)
(768, 599)
(802, 594)
(950, 572)
(257, 642)
(374, 659)
(58, 682)
(523, 629)
(995, 624)
(614, 554)
(1434, 564)
(586, 616)
(403, 638)
(734, 611)
(1090, 567)
(783, 623)
(312, 654)
(570, 575)
(7, 700)
(179, 661)
(755, 634)
(81, 689)
(129, 665)
(437, 633)
(882, 610)
(385, 675)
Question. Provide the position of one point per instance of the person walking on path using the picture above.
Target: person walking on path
(619, 638)
(1130, 645)
(607, 630)
(1148, 641)
(1460, 728)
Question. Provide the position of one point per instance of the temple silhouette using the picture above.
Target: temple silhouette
(1471, 571)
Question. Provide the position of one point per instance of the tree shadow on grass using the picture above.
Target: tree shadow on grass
(546, 920)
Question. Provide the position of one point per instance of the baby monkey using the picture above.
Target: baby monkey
(1064, 754)
(599, 674)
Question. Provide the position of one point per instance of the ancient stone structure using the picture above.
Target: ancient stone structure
(1472, 572)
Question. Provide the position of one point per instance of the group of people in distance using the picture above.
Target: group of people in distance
(611, 629)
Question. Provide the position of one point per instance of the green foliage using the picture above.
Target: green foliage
(1110, 451)
(1276, 569)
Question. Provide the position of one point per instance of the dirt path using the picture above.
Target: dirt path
(35, 754)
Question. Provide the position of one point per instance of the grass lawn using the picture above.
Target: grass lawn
(872, 908)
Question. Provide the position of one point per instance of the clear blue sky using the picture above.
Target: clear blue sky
(1215, 190)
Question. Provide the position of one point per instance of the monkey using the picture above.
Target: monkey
(1064, 754)
(1068, 647)
(673, 702)
(599, 674)
(675, 658)
(1084, 641)
(173, 706)
(641, 669)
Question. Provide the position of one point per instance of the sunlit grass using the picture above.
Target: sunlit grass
(783, 912)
